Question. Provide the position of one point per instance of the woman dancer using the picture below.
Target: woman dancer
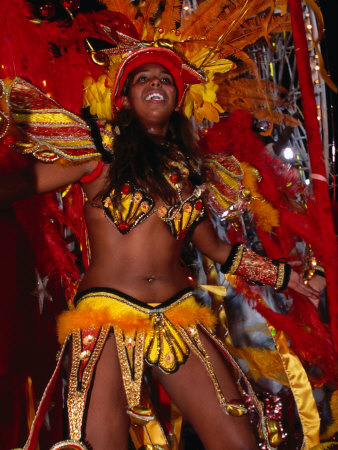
(135, 309)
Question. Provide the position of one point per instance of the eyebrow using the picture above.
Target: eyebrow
(166, 72)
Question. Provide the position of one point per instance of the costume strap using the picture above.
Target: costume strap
(256, 269)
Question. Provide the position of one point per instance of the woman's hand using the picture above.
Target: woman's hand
(317, 282)
(296, 283)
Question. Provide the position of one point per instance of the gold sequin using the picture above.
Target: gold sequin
(78, 389)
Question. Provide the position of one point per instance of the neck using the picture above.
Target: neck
(157, 129)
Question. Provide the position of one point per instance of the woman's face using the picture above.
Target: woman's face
(152, 96)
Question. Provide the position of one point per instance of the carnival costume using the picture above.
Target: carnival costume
(163, 335)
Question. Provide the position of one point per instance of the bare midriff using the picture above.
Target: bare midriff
(144, 263)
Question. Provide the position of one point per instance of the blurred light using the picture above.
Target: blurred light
(309, 26)
(333, 150)
(317, 67)
(288, 153)
(318, 117)
(44, 82)
(317, 81)
(307, 181)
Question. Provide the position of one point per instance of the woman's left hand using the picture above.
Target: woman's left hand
(317, 282)
(296, 283)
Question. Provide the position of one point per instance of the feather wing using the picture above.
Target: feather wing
(48, 126)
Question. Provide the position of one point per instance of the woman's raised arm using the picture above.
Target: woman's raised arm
(39, 178)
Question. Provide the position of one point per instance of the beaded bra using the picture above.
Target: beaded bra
(136, 205)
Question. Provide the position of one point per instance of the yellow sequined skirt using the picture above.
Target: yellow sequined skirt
(162, 335)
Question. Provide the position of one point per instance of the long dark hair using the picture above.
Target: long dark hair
(142, 158)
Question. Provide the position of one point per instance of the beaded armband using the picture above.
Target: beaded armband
(256, 269)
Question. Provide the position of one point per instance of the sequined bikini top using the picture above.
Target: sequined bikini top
(136, 205)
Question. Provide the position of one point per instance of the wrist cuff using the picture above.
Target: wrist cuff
(283, 275)
(256, 269)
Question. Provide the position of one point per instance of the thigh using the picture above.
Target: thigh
(106, 422)
(192, 390)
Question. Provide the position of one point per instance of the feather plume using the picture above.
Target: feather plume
(171, 14)
(207, 13)
(150, 13)
(24, 49)
(253, 95)
(228, 21)
(42, 221)
(122, 6)
(248, 32)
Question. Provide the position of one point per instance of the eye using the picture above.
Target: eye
(141, 79)
(166, 80)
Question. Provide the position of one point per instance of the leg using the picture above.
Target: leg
(191, 389)
(106, 423)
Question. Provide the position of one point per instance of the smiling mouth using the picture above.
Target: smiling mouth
(155, 97)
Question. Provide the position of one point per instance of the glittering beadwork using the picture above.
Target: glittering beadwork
(79, 380)
(136, 206)
(69, 445)
(280, 276)
(256, 269)
(164, 347)
(130, 351)
(54, 132)
(224, 178)
(182, 216)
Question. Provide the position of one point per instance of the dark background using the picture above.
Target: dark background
(330, 53)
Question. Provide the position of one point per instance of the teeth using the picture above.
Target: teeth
(155, 96)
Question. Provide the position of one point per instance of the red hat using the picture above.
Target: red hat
(182, 73)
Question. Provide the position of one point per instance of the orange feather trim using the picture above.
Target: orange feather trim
(267, 215)
(99, 312)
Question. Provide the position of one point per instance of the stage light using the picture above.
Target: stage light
(288, 153)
